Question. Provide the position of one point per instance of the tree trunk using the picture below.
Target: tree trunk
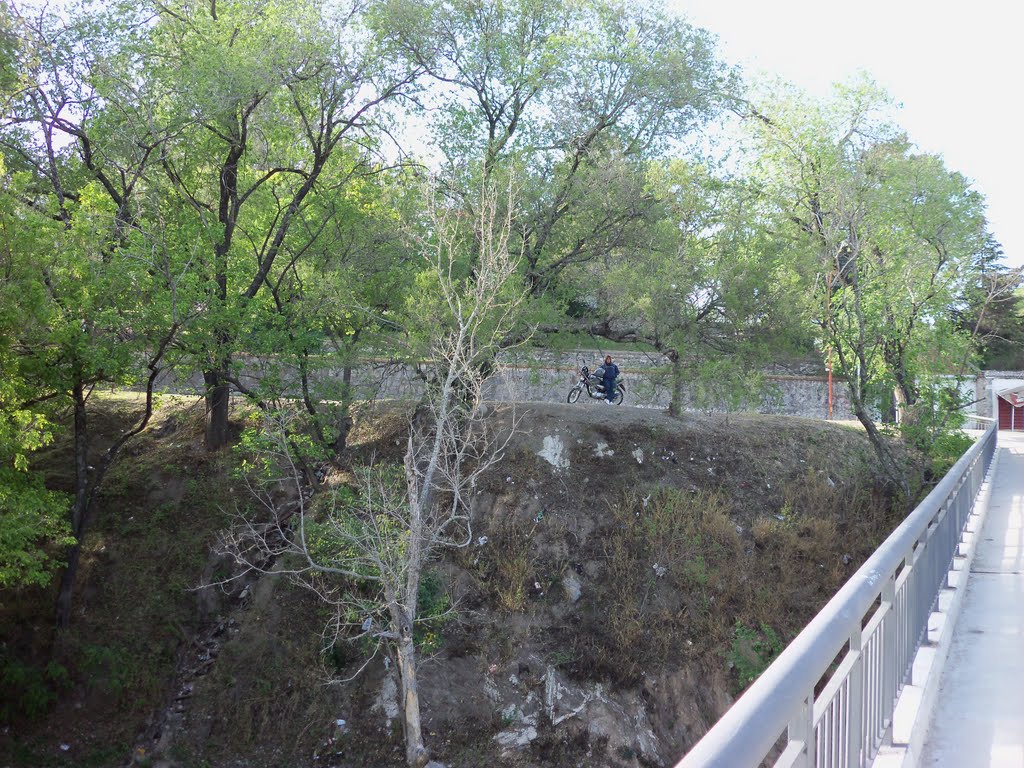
(890, 466)
(415, 753)
(217, 393)
(67, 586)
(89, 479)
(900, 406)
(905, 394)
(343, 424)
(79, 510)
(676, 405)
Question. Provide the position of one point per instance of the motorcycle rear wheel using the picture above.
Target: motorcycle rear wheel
(618, 397)
(574, 395)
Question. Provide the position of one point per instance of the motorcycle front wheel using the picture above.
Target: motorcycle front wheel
(574, 395)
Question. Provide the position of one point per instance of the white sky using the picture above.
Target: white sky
(954, 65)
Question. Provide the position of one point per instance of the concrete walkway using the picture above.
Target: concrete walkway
(978, 721)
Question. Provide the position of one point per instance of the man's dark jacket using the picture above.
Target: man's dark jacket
(611, 373)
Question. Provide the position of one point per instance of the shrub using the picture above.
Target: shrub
(752, 651)
(28, 691)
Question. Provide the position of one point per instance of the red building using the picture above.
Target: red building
(1011, 409)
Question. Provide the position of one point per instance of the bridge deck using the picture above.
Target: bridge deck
(979, 717)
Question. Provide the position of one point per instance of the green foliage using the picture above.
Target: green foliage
(345, 517)
(221, 187)
(935, 426)
(752, 651)
(710, 288)
(33, 529)
(435, 609)
(106, 668)
(945, 450)
(993, 310)
(570, 100)
(270, 441)
(29, 691)
(887, 242)
(726, 384)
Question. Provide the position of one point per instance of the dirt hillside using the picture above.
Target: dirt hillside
(629, 574)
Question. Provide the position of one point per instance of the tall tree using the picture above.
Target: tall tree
(271, 105)
(33, 520)
(888, 236)
(98, 297)
(706, 289)
(337, 294)
(993, 311)
(383, 541)
(930, 230)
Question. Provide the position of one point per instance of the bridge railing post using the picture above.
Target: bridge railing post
(890, 644)
(855, 701)
(801, 730)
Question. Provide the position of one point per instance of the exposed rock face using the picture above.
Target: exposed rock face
(656, 721)
(572, 586)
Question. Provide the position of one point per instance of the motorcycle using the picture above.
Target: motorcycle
(593, 383)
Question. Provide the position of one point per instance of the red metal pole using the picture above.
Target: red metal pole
(830, 385)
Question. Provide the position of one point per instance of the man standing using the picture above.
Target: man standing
(611, 373)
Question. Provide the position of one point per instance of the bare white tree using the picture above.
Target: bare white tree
(383, 537)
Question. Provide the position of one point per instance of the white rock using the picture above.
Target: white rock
(491, 690)
(387, 700)
(517, 738)
(563, 701)
(573, 588)
(553, 452)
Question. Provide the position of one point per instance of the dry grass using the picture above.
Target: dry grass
(268, 679)
(681, 574)
(668, 557)
(511, 569)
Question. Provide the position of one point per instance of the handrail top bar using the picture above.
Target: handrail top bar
(755, 721)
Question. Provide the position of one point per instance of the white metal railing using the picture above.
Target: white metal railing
(828, 700)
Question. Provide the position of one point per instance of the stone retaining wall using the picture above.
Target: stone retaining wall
(647, 386)
(547, 376)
